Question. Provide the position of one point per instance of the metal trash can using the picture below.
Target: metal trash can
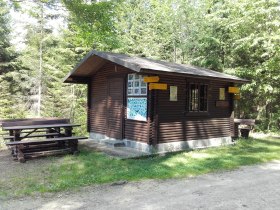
(245, 132)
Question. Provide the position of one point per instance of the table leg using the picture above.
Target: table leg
(11, 132)
(14, 151)
(74, 146)
(57, 130)
(48, 130)
(68, 131)
(17, 135)
(53, 130)
(20, 154)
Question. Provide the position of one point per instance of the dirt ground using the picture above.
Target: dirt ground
(10, 168)
(251, 187)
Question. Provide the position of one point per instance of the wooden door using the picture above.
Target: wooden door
(115, 108)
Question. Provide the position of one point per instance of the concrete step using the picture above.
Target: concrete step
(113, 143)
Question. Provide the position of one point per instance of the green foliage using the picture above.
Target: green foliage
(239, 37)
(91, 24)
(145, 28)
(9, 100)
(43, 63)
(5, 54)
(89, 167)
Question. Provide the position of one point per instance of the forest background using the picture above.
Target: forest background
(239, 37)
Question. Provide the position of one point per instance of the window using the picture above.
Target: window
(198, 98)
(136, 97)
(136, 85)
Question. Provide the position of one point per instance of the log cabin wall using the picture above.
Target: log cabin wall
(168, 121)
(132, 130)
(175, 123)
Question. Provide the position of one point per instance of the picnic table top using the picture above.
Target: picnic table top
(26, 127)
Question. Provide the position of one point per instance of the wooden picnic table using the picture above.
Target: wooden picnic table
(51, 130)
(56, 138)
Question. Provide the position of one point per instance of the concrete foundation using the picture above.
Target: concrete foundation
(167, 147)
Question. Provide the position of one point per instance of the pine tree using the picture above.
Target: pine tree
(10, 103)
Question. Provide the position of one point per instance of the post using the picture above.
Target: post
(68, 131)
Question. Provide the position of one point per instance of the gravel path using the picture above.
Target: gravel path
(250, 187)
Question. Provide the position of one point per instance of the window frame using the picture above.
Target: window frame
(131, 85)
(198, 98)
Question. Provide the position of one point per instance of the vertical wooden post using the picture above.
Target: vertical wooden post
(156, 120)
(17, 135)
(20, 155)
(74, 146)
(68, 131)
(89, 102)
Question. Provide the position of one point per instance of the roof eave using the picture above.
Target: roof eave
(65, 80)
(239, 81)
(134, 67)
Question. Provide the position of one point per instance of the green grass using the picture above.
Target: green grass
(95, 168)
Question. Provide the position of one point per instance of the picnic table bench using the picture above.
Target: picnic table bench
(56, 137)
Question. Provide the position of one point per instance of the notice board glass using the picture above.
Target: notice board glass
(137, 108)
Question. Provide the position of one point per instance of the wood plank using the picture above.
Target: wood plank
(47, 140)
(39, 126)
(50, 152)
(34, 121)
(33, 136)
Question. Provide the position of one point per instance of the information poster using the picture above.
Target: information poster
(222, 95)
(137, 108)
(173, 93)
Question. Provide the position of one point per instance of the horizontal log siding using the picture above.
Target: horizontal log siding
(177, 124)
(133, 130)
(136, 130)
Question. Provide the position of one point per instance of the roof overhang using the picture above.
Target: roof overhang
(91, 63)
(85, 69)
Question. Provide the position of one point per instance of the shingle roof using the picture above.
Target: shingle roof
(139, 64)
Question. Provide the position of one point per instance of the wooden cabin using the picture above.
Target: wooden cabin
(155, 105)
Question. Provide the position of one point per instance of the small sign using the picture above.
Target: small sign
(173, 93)
(151, 79)
(222, 95)
(233, 90)
(222, 103)
(157, 86)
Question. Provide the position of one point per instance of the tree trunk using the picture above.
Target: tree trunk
(40, 63)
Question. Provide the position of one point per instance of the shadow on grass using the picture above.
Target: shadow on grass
(93, 167)
(269, 142)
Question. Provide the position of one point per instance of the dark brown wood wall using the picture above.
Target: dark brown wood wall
(133, 130)
(177, 124)
(167, 120)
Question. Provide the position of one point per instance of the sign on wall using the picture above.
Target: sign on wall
(151, 79)
(233, 90)
(173, 93)
(137, 108)
(157, 86)
(222, 94)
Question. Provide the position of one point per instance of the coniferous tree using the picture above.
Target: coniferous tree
(10, 102)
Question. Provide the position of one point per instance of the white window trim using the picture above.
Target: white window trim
(141, 85)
